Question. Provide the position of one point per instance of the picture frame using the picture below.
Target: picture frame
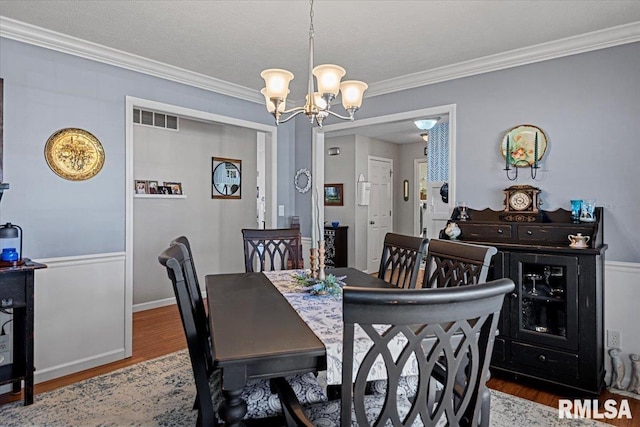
(163, 189)
(226, 178)
(152, 187)
(176, 187)
(333, 195)
(140, 187)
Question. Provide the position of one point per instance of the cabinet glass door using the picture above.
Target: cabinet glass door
(544, 305)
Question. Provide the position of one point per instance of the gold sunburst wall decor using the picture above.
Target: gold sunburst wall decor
(74, 154)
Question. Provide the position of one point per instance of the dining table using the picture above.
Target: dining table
(263, 325)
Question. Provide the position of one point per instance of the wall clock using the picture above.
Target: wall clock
(74, 154)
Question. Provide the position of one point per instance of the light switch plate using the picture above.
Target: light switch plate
(280, 210)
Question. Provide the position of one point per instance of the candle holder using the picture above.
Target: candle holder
(313, 260)
(321, 251)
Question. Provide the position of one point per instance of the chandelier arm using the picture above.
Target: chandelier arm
(300, 110)
(351, 115)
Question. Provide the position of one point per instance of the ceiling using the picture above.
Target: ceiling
(375, 41)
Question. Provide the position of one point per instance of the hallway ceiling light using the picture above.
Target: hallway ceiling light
(426, 124)
(318, 103)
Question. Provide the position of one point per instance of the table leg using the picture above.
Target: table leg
(233, 409)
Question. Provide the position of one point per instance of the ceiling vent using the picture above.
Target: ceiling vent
(155, 119)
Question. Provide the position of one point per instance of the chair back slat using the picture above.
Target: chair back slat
(272, 250)
(448, 333)
(400, 260)
(452, 264)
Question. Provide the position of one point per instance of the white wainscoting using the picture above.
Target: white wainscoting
(80, 312)
(621, 305)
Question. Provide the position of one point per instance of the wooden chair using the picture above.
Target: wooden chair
(400, 260)
(274, 249)
(261, 402)
(419, 316)
(451, 264)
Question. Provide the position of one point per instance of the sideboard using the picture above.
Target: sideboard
(552, 326)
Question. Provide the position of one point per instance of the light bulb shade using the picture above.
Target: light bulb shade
(318, 100)
(276, 83)
(426, 124)
(352, 92)
(328, 78)
(270, 105)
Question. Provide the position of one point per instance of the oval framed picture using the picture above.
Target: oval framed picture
(74, 154)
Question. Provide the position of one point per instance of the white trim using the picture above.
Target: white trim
(416, 195)
(623, 267)
(48, 39)
(74, 366)
(150, 305)
(70, 261)
(608, 37)
(159, 196)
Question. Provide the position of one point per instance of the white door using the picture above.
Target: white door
(380, 203)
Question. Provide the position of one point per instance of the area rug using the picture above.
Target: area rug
(161, 392)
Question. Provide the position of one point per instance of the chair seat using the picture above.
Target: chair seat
(328, 414)
(261, 402)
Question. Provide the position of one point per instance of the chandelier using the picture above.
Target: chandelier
(318, 103)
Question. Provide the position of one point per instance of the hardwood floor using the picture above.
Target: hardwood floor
(159, 331)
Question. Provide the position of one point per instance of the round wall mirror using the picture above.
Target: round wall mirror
(227, 179)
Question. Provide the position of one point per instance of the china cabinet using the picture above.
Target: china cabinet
(551, 326)
(335, 243)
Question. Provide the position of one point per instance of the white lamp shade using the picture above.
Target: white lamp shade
(318, 100)
(352, 92)
(276, 82)
(426, 124)
(328, 78)
(270, 105)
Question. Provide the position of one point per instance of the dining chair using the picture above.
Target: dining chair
(412, 316)
(261, 402)
(451, 264)
(401, 258)
(272, 249)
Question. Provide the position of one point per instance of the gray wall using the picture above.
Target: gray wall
(589, 107)
(212, 225)
(44, 91)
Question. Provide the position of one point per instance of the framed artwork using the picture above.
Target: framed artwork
(226, 178)
(333, 195)
(176, 187)
(152, 187)
(141, 187)
(163, 189)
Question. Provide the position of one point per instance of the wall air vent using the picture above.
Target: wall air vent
(155, 119)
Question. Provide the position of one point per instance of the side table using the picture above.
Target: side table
(16, 297)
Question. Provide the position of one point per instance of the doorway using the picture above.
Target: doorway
(380, 124)
(380, 208)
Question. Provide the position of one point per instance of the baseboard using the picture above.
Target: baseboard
(78, 365)
(158, 303)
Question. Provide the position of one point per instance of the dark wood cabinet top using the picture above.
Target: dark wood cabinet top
(548, 230)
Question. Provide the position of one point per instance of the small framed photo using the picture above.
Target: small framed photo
(163, 189)
(333, 195)
(152, 187)
(141, 187)
(176, 187)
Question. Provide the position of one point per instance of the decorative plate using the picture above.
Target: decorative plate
(74, 154)
(522, 145)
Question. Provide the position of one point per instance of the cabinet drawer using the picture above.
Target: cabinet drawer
(498, 350)
(550, 234)
(484, 232)
(551, 362)
(13, 287)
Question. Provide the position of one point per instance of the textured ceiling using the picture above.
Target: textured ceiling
(374, 40)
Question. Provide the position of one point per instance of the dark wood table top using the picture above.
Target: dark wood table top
(252, 323)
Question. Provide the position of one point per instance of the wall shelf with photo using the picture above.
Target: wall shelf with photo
(152, 190)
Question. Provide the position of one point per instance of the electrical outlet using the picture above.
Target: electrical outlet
(613, 339)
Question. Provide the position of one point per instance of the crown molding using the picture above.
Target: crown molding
(20, 31)
(37, 36)
(614, 36)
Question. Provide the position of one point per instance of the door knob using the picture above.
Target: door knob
(372, 222)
